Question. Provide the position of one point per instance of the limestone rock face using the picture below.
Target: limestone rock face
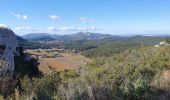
(8, 49)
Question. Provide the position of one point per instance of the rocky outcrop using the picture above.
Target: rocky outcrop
(8, 49)
(163, 43)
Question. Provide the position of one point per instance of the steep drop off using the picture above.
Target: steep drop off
(8, 49)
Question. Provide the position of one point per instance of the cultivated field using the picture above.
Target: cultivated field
(59, 62)
(66, 61)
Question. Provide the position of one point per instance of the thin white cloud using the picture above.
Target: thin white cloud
(21, 16)
(51, 28)
(89, 29)
(66, 29)
(54, 17)
(24, 28)
(86, 20)
(3, 25)
(73, 29)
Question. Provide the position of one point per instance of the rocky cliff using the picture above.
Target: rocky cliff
(8, 49)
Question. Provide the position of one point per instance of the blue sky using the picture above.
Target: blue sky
(70, 16)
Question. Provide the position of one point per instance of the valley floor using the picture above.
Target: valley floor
(63, 60)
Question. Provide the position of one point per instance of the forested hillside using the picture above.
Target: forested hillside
(110, 46)
(141, 73)
(134, 74)
(130, 68)
(85, 50)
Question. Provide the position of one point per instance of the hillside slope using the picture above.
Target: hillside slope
(136, 74)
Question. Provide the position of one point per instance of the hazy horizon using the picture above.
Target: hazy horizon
(114, 17)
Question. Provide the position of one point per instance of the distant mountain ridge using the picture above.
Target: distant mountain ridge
(88, 36)
(34, 36)
(77, 36)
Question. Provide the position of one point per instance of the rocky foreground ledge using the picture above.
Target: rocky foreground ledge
(8, 49)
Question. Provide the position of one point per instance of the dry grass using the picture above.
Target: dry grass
(60, 63)
(43, 67)
(39, 52)
(56, 65)
(162, 82)
(67, 61)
